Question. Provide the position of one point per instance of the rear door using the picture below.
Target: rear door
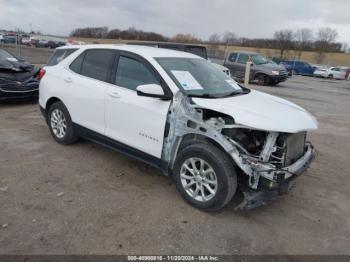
(135, 121)
(86, 84)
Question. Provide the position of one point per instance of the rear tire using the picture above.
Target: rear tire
(205, 177)
(61, 125)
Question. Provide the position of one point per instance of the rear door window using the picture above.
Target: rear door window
(59, 55)
(97, 64)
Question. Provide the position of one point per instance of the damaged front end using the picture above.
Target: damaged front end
(18, 80)
(268, 162)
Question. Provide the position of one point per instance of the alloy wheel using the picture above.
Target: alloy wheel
(58, 123)
(199, 180)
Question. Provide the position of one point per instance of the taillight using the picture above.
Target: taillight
(41, 74)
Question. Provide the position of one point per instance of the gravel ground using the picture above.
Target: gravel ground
(37, 56)
(86, 199)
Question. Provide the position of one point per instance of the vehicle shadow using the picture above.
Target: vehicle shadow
(19, 102)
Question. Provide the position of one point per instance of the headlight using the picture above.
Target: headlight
(276, 73)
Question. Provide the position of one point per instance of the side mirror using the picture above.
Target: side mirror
(152, 90)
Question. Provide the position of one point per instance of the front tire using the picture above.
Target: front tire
(262, 80)
(61, 125)
(205, 177)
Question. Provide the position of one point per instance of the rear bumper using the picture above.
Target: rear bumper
(284, 180)
(18, 95)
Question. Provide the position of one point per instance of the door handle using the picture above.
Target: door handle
(68, 80)
(114, 95)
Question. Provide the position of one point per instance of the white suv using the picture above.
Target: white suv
(179, 113)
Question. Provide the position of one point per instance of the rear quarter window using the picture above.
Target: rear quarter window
(59, 55)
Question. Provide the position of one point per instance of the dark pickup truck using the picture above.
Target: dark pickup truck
(262, 71)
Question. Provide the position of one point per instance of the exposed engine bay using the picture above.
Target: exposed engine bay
(265, 159)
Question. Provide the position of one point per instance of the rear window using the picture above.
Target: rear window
(59, 55)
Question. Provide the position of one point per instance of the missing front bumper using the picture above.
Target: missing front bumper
(284, 180)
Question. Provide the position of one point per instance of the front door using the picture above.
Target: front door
(138, 122)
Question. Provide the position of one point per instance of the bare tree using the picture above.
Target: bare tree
(230, 38)
(214, 39)
(185, 38)
(326, 37)
(284, 40)
(327, 34)
(304, 37)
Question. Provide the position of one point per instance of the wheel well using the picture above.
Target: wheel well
(49, 103)
(196, 138)
(259, 74)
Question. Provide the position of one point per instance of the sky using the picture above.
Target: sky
(252, 18)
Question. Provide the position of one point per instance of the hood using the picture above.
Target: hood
(261, 111)
(15, 65)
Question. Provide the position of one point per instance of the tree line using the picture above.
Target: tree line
(305, 39)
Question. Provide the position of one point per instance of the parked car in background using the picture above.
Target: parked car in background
(1, 37)
(41, 43)
(18, 79)
(26, 41)
(184, 117)
(9, 39)
(188, 48)
(321, 72)
(262, 71)
(55, 44)
(347, 74)
(338, 73)
(299, 67)
(280, 61)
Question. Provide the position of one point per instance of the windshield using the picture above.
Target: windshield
(4, 55)
(199, 78)
(259, 60)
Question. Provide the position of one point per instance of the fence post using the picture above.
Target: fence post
(247, 73)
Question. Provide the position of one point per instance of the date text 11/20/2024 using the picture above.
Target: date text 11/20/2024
(173, 258)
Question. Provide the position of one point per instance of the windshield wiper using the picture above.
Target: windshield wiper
(205, 95)
(234, 93)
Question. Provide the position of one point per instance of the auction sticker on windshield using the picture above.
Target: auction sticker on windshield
(187, 81)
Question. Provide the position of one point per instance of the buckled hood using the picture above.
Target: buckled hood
(261, 111)
(15, 65)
